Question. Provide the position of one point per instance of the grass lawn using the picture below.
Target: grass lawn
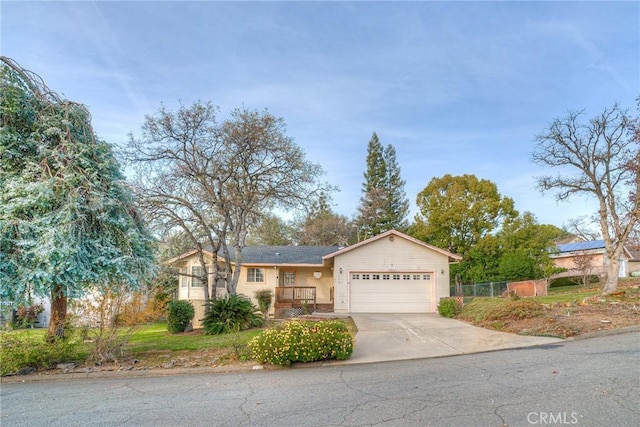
(155, 337)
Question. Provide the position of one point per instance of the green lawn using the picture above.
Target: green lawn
(155, 337)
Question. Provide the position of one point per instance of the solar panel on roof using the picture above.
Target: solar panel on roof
(581, 246)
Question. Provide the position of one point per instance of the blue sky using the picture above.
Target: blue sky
(456, 87)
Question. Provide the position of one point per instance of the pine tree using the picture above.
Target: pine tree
(68, 222)
(397, 202)
(383, 205)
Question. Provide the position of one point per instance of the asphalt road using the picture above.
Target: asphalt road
(590, 382)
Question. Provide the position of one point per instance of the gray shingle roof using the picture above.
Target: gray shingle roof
(284, 254)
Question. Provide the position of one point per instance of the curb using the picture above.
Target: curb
(90, 375)
(606, 333)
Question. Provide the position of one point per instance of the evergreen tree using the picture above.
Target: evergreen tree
(397, 202)
(68, 222)
(383, 205)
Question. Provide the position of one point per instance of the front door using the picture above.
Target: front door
(289, 278)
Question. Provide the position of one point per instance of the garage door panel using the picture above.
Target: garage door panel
(390, 296)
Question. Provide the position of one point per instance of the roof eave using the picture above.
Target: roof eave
(452, 257)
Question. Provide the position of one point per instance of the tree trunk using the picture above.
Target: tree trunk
(611, 283)
(58, 314)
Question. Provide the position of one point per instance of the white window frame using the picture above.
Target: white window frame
(195, 281)
(184, 277)
(255, 275)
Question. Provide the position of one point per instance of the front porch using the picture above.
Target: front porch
(292, 301)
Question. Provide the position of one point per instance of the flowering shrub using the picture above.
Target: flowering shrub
(302, 341)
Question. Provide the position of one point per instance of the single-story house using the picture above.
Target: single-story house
(388, 273)
(634, 262)
(588, 256)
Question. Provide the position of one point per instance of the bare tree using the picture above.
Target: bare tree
(598, 159)
(323, 227)
(583, 262)
(581, 227)
(214, 181)
(263, 168)
(174, 157)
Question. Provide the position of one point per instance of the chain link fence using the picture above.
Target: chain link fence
(488, 289)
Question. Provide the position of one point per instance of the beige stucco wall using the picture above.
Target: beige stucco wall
(385, 254)
(568, 262)
(304, 277)
(598, 263)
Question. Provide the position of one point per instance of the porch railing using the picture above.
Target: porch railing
(297, 296)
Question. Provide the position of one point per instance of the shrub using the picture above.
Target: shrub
(180, 314)
(19, 352)
(302, 341)
(483, 310)
(449, 307)
(138, 310)
(518, 309)
(265, 298)
(231, 314)
(27, 316)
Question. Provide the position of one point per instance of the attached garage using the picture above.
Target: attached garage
(385, 292)
(390, 273)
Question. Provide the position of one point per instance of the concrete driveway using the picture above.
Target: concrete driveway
(386, 337)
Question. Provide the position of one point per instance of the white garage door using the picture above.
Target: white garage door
(391, 293)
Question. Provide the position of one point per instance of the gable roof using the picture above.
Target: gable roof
(451, 256)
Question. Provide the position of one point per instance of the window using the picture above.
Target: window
(426, 277)
(355, 276)
(365, 277)
(406, 277)
(386, 277)
(375, 276)
(416, 277)
(222, 275)
(184, 279)
(196, 273)
(255, 275)
(396, 277)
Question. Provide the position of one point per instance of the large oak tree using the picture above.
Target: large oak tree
(455, 212)
(460, 213)
(214, 181)
(596, 158)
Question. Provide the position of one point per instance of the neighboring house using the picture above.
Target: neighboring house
(42, 321)
(588, 257)
(634, 263)
(388, 273)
